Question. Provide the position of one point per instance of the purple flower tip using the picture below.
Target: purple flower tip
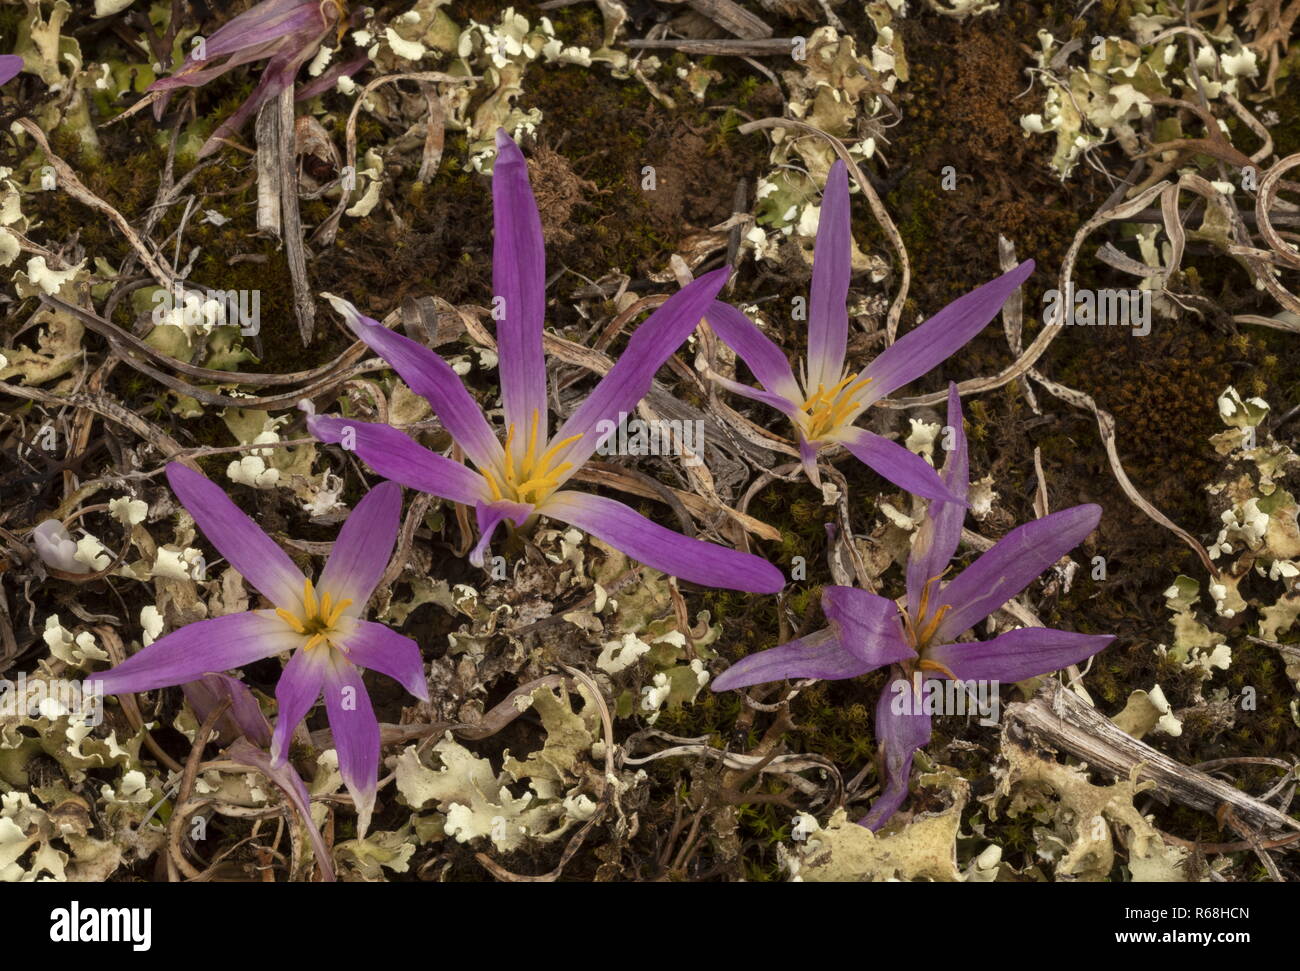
(508, 152)
(10, 65)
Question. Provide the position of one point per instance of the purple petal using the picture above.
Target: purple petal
(821, 655)
(898, 736)
(296, 693)
(244, 718)
(204, 647)
(808, 452)
(629, 380)
(519, 280)
(1011, 565)
(431, 377)
(394, 455)
(786, 406)
(892, 461)
(265, 22)
(756, 349)
(362, 548)
(276, 76)
(489, 516)
(868, 626)
(294, 789)
(924, 348)
(694, 560)
(10, 65)
(194, 73)
(828, 316)
(292, 28)
(937, 539)
(240, 540)
(356, 735)
(382, 649)
(1018, 654)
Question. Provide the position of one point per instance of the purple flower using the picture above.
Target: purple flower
(321, 623)
(828, 400)
(919, 636)
(10, 65)
(526, 476)
(285, 33)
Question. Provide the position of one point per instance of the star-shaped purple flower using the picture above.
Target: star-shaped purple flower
(920, 635)
(526, 476)
(826, 402)
(321, 623)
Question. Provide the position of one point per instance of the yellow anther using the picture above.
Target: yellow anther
(920, 637)
(318, 617)
(337, 612)
(822, 396)
(931, 584)
(532, 444)
(510, 457)
(549, 455)
(923, 607)
(928, 631)
(927, 664)
(533, 478)
(292, 620)
(825, 410)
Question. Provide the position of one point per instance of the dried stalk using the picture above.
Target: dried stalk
(1060, 719)
(67, 180)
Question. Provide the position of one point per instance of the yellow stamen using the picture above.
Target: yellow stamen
(291, 620)
(923, 605)
(930, 665)
(825, 410)
(510, 458)
(532, 478)
(822, 396)
(920, 637)
(532, 442)
(928, 631)
(549, 455)
(319, 617)
(339, 607)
